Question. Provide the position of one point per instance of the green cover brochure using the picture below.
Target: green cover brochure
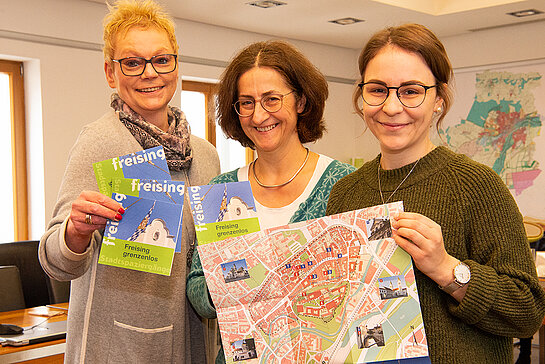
(145, 239)
(223, 211)
(149, 163)
(150, 232)
(166, 191)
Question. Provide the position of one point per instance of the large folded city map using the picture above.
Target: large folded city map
(336, 289)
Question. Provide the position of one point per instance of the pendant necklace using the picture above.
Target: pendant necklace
(399, 185)
(284, 183)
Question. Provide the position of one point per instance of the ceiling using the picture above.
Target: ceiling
(308, 20)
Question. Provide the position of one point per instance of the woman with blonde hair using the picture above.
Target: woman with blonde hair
(120, 315)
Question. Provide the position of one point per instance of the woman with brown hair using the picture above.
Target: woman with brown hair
(271, 99)
(476, 280)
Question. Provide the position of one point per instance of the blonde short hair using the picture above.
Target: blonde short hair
(127, 14)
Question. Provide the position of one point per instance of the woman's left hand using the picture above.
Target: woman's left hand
(422, 238)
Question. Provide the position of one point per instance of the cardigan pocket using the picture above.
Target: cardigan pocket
(130, 344)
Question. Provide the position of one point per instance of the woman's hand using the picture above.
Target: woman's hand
(90, 211)
(422, 238)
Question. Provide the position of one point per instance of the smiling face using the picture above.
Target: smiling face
(269, 131)
(149, 93)
(401, 131)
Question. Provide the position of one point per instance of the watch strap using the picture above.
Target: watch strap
(451, 287)
(456, 284)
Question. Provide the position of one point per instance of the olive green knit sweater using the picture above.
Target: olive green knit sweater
(482, 227)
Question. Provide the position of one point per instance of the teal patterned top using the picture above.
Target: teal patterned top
(313, 207)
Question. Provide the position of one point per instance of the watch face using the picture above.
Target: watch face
(462, 273)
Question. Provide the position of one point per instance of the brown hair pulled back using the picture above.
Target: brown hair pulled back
(418, 39)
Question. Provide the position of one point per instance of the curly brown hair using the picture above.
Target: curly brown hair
(418, 39)
(298, 73)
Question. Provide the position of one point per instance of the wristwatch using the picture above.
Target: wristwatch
(462, 275)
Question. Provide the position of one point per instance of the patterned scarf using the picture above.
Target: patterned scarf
(175, 141)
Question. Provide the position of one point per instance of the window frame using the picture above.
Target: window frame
(209, 90)
(15, 70)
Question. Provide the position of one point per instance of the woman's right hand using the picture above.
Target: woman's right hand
(90, 211)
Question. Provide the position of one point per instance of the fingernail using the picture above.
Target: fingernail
(118, 217)
(121, 210)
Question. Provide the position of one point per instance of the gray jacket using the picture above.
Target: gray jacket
(119, 315)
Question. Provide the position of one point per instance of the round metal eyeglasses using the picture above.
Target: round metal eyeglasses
(270, 103)
(135, 66)
(410, 95)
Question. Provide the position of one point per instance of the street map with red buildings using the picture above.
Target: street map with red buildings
(330, 290)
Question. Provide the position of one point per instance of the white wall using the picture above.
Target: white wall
(501, 45)
(74, 91)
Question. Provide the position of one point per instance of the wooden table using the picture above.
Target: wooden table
(50, 352)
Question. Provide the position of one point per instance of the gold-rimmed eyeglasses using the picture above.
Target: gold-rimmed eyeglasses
(270, 103)
(135, 66)
(410, 95)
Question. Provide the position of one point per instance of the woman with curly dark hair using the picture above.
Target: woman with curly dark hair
(271, 99)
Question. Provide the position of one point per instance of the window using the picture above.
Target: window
(199, 107)
(13, 187)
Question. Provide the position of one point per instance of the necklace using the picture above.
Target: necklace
(399, 185)
(281, 184)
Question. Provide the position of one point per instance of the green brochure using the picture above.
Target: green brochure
(149, 163)
(223, 211)
(167, 191)
(145, 239)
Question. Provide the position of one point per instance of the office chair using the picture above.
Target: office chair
(58, 291)
(534, 233)
(11, 290)
(35, 282)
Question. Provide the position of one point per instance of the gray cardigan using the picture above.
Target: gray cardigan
(119, 315)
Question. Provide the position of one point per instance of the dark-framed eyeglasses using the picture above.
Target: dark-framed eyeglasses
(270, 103)
(410, 95)
(135, 66)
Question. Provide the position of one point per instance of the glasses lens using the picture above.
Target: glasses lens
(164, 63)
(132, 65)
(244, 107)
(272, 103)
(412, 95)
(374, 94)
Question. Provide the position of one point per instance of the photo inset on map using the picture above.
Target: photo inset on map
(378, 228)
(392, 287)
(244, 349)
(235, 270)
(369, 336)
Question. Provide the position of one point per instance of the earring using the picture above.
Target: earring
(439, 110)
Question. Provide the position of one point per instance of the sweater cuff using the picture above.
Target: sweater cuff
(197, 293)
(65, 250)
(480, 294)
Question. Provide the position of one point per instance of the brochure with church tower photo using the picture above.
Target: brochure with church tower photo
(166, 191)
(145, 239)
(223, 210)
(150, 231)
